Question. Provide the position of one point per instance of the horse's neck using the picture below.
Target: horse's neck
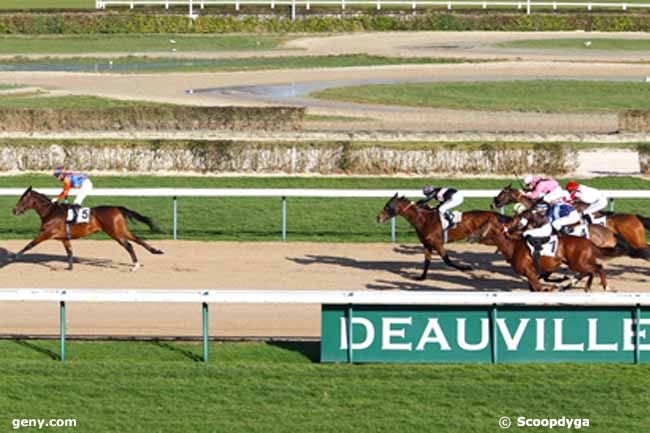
(413, 215)
(42, 208)
(524, 200)
(505, 245)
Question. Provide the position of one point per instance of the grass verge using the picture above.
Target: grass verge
(558, 96)
(101, 43)
(133, 64)
(267, 388)
(259, 219)
(605, 44)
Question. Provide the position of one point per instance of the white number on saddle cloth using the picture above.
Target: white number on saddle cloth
(456, 217)
(579, 230)
(548, 249)
(83, 216)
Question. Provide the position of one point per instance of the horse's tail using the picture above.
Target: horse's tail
(645, 221)
(133, 215)
(623, 248)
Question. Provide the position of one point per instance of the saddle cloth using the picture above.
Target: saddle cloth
(83, 216)
(579, 230)
(548, 249)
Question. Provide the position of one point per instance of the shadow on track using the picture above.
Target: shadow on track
(491, 265)
(39, 349)
(45, 260)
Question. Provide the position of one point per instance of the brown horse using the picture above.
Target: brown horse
(630, 227)
(111, 220)
(426, 223)
(579, 254)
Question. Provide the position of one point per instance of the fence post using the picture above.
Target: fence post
(392, 229)
(62, 320)
(205, 332)
(611, 205)
(174, 218)
(637, 332)
(349, 323)
(493, 326)
(527, 7)
(293, 10)
(284, 218)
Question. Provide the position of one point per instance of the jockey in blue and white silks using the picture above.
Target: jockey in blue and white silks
(561, 215)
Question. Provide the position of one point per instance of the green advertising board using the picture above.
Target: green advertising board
(486, 334)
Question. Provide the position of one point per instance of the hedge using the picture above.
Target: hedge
(115, 22)
(164, 118)
(324, 157)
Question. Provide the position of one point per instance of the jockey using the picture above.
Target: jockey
(546, 189)
(591, 196)
(448, 197)
(538, 234)
(562, 214)
(73, 180)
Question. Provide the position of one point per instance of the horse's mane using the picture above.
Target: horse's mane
(39, 196)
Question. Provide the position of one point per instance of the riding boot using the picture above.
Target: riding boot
(587, 218)
(75, 212)
(450, 219)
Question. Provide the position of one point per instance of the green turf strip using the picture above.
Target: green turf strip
(134, 64)
(557, 96)
(136, 43)
(255, 219)
(585, 43)
(267, 388)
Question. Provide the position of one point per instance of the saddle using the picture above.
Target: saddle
(453, 219)
(580, 230)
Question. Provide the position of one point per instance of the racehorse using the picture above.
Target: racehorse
(630, 227)
(429, 229)
(109, 219)
(579, 254)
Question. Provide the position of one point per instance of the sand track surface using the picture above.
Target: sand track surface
(252, 266)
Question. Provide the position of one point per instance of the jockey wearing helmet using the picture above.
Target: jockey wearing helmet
(547, 189)
(591, 196)
(448, 197)
(70, 180)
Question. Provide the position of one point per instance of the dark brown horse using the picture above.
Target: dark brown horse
(426, 223)
(630, 227)
(579, 254)
(111, 220)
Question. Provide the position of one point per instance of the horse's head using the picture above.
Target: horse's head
(392, 208)
(505, 197)
(25, 202)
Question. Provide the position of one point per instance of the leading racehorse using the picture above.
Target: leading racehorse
(109, 219)
(429, 229)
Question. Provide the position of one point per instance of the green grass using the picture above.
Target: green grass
(47, 4)
(132, 42)
(4, 86)
(259, 219)
(145, 387)
(579, 44)
(133, 64)
(41, 101)
(561, 96)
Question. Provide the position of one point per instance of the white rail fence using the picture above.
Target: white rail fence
(206, 297)
(412, 4)
(174, 193)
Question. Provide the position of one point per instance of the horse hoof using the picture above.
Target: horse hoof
(158, 251)
(135, 267)
(420, 278)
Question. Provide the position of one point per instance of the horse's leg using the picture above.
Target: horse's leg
(440, 248)
(42, 236)
(68, 251)
(427, 262)
(603, 278)
(130, 236)
(129, 248)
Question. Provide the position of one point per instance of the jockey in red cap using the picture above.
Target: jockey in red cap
(591, 196)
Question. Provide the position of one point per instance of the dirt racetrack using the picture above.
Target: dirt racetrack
(232, 265)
